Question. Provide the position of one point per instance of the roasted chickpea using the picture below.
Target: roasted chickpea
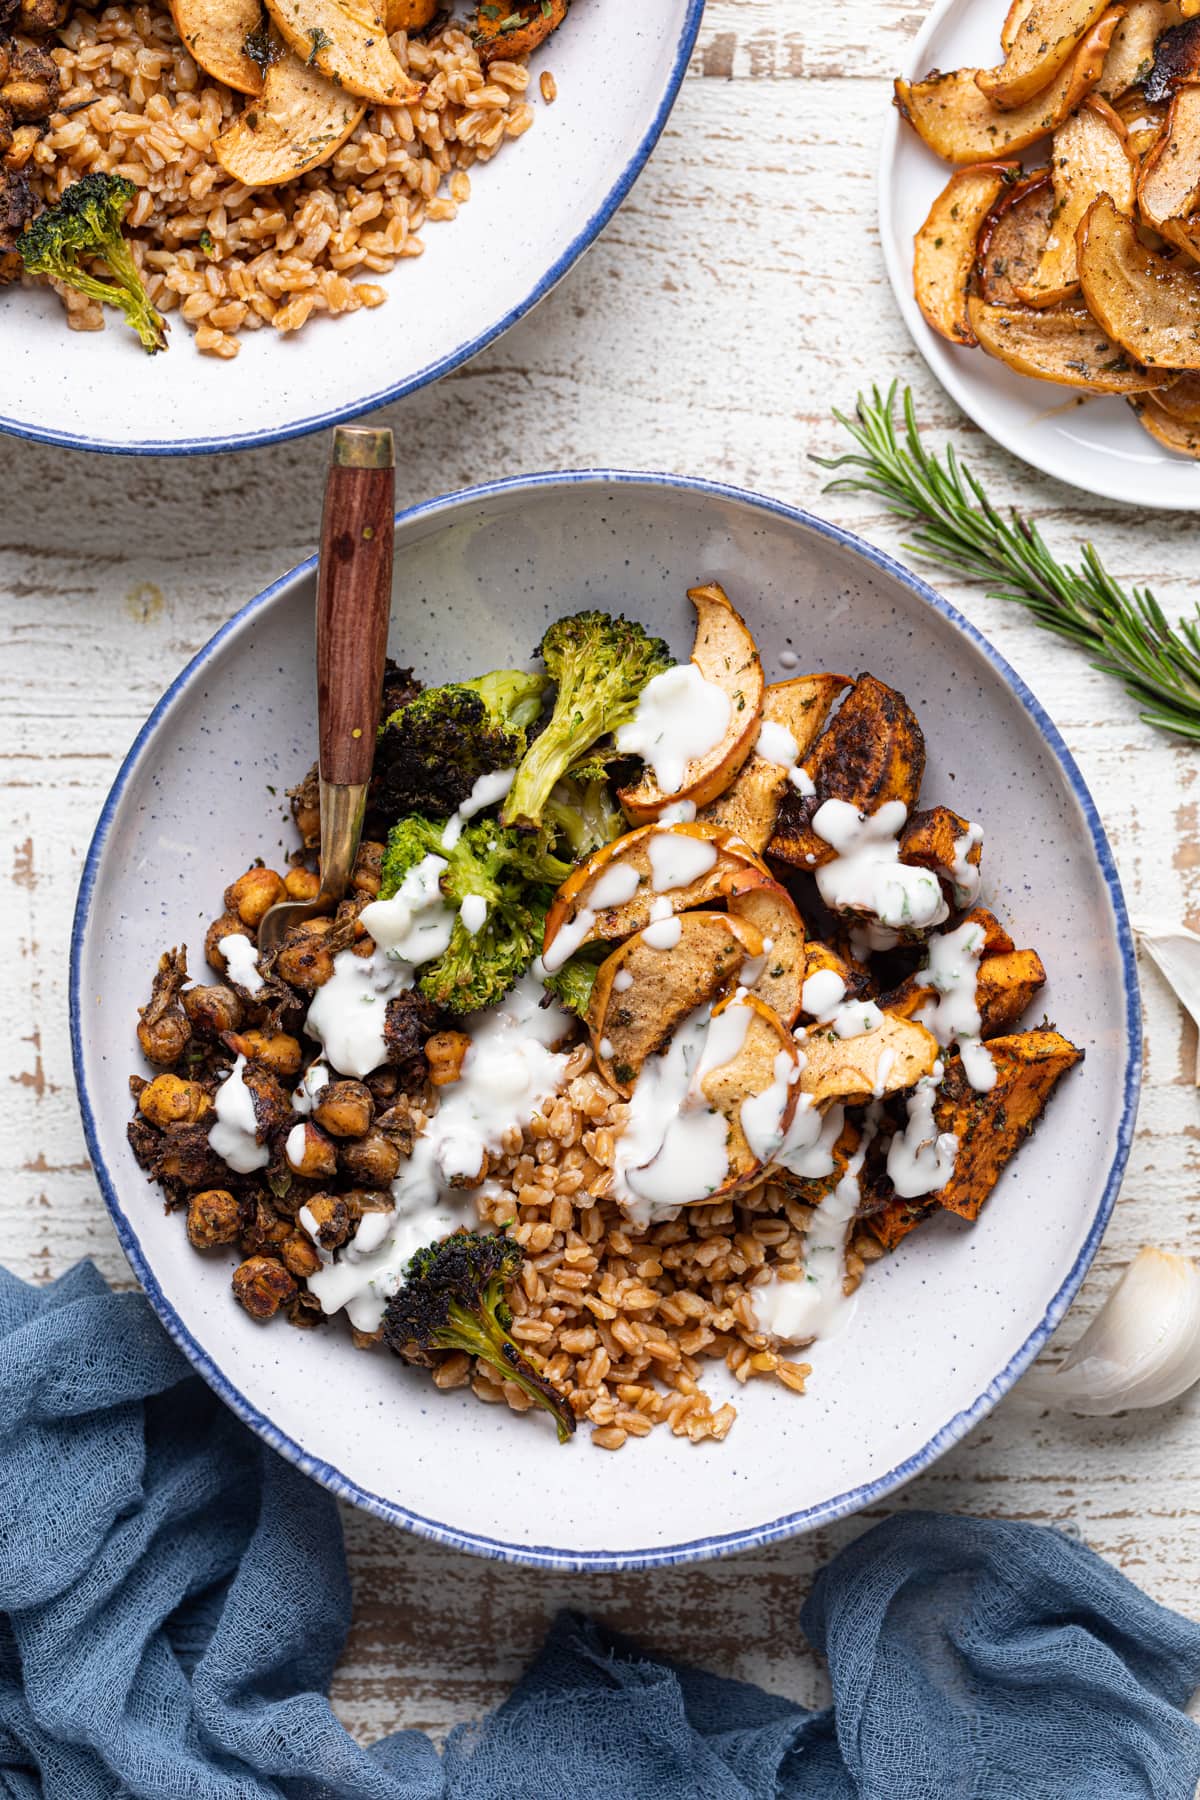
(254, 894)
(344, 1109)
(266, 1229)
(277, 1051)
(212, 1010)
(373, 1160)
(228, 925)
(169, 1100)
(301, 884)
(329, 1217)
(384, 1085)
(444, 1052)
(299, 1257)
(164, 1040)
(313, 1157)
(305, 960)
(213, 1217)
(367, 874)
(360, 1200)
(262, 1285)
(366, 1340)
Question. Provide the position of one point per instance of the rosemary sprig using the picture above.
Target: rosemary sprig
(958, 527)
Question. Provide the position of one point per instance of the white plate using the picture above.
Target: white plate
(533, 211)
(1095, 444)
(943, 1327)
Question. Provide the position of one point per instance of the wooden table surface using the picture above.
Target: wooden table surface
(737, 296)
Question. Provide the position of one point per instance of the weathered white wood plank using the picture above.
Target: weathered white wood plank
(737, 296)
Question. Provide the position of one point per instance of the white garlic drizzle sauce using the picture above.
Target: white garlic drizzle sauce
(348, 1012)
(680, 717)
(761, 1115)
(952, 969)
(473, 913)
(509, 1071)
(823, 997)
(314, 1078)
(867, 877)
(676, 859)
(920, 1159)
(488, 790)
(665, 928)
(966, 875)
(234, 1133)
(293, 1149)
(241, 961)
(307, 1222)
(816, 1305)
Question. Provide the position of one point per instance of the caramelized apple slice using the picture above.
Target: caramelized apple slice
(1090, 156)
(1146, 302)
(345, 40)
(297, 124)
(851, 1070)
(1046, 37)
(1060, 343)
(762, 903)
(215, 32)
(751, 802)
(944, 249)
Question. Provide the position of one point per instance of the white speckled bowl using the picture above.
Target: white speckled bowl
(533, 211)
(943, 1328)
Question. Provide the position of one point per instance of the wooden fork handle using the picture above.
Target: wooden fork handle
(354, 596)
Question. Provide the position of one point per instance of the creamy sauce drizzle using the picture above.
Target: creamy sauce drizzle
(867, 877)
(680, 717)
(488, 790)
(507, 1073)
(241, 961)
(823, 997)
(234, 1134)
(953, 1017)
(676, 859)
(304, 1097)
(775, 744)
(920, 1158)
(673, 1148)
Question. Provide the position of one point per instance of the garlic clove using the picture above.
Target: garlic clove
(1175, 951)
(1142, 1349)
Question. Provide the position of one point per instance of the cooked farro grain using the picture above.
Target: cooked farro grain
(229, 259)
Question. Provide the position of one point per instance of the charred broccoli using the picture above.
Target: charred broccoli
(432, 751)
(509, 876)
(86, 222)
(601, 663)
(572, 983)
(582, 811)
(454, 1297)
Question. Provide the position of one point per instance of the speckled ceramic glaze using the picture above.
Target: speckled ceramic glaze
(533, 211)
(1090, 442)
(943, 1328)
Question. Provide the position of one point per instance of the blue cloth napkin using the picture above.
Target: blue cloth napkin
(174, 1597)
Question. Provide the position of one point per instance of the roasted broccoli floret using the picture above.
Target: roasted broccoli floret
(582, 811)
(508, 876)
(572, 983)
(454, 1297)
(601, 664)
(431, 752)
(86, 222)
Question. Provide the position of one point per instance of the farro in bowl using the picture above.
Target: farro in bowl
(334, 292)
(903, 1379)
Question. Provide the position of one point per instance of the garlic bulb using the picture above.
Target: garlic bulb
(1176, 952)
(1141, 1349)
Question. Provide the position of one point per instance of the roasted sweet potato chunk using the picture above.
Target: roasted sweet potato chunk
(872, 751)
(949, 845)
(990, 1127)
(409, 15)
(749, 804)
(514, 28)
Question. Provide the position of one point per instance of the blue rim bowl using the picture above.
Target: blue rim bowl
(789, 1524)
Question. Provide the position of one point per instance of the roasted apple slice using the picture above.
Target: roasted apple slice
(756, 1089)
(958, 121)
(296, 124)
(1143, 121)
(759, 901)
(1172, 433)
(1090, 156)
(215, 32)
(614, 892)
(1044, 38)
(1012, 238)
(872, 751)
(945, 247)
(1180, 399)
(726, 656)
(1168, 191)
(851, 1070)
(1176, 59)
(346, 41)
(792, 716)
(1060, 343)
(1146, 302)
(1131, 53)
(647, 987)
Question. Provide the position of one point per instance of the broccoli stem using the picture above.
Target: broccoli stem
(484, 1337)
